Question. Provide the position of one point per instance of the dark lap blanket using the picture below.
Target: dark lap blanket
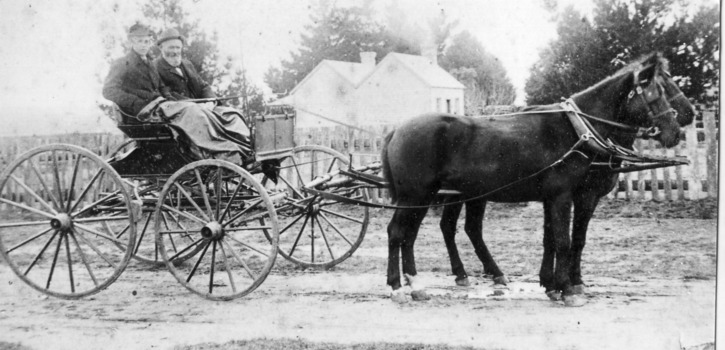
(208, 134)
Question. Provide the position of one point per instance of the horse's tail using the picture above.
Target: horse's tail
(387, 174)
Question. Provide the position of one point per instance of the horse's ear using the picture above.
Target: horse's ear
(650, 67)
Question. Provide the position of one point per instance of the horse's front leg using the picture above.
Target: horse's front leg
(584, 206)
(559, 209)
(448, 228)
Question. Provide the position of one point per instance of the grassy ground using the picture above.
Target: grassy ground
(296, 344)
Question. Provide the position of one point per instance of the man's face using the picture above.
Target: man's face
(171, 51)
(141, 44)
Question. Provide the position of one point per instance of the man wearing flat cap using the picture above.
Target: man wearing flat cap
(134, 84)
(133, 81)
(178, 73)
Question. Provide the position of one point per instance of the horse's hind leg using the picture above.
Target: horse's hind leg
(402, 232)
(448, 228)
(475, 211)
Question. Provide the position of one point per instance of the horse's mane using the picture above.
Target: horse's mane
(631, 67)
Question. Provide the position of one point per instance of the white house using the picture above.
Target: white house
(398, 88)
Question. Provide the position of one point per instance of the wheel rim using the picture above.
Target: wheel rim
(229, 221)
(315, 232)
(65, 212)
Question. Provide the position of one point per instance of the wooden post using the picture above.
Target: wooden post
(666, 178)
(641, 175)
(711, 141)
(678, 176)
(694, 183)
(654, 181)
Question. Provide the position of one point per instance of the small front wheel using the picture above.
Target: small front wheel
(225, 215)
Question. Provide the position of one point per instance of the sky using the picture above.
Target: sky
(52, 64)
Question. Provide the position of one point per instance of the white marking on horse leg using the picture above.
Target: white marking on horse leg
(398, 296)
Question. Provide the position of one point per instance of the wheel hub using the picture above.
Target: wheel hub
(213, 231)
(61, 222)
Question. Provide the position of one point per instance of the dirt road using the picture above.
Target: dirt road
(651, 285)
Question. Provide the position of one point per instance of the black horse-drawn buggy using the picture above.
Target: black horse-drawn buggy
(72, 220)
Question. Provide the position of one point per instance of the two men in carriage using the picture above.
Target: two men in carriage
(155, 91)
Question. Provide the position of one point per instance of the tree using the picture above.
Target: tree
(337, 33)
(490, 85)
(620, 32)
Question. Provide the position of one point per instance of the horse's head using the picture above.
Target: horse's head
(678, 100)
(648, 103)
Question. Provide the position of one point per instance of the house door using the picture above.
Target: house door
(448, 106)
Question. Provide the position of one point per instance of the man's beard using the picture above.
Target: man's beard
(174, 61)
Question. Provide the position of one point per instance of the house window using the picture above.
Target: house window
(457, 107)
(438, 105)
(448, 106)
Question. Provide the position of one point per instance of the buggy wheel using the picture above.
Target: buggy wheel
(124, 147)
(316, 232)
(228, 218)
(64, 213)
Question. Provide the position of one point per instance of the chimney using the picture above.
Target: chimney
(367, 58)
(430, 51)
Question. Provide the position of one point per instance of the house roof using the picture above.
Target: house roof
(430, 73)
(356, 73)
(352, 72)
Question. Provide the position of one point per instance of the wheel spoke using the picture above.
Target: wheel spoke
(218, 189)
(250, 247)
(30, 209)
(336, 229)
(229, 203)
(324, 237)
(70, 264)
(299, 235)
(191, 200)
(213, 261)
(289, 185)
(176, 220)
(56, 176)
(34, 194)
(248, 228)
(143, 233)
(297, 170)
(244, 211)
(198, 261)
(103, 218)
(227, 267)
(24, 223)
(204, 194)
(40, 253)
(185, 249)
(292, 223)
(85, 190)
(55, 260)
(29, 240)
(83, 258)
(94, 248)
(94, 204)
(73, 183)
(98, 233)
(240, 260)
(45, 186)
(184, 214)
(341, 215)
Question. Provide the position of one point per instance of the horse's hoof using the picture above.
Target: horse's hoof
(463, 282)
(398, 297)
(578, 289)
(574, 300)
(553, 295)
(500, 280)
(419, 295)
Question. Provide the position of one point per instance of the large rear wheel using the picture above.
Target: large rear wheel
(64, 214)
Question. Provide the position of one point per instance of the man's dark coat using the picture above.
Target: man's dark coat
(186, 85)
(133, 83)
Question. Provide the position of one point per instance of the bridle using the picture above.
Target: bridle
(650, 95)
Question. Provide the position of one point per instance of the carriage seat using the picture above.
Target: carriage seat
(137, 130)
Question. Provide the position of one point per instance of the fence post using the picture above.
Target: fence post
(708, 120)
(666, 178)
(694, 184)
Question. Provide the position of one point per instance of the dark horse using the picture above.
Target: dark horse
(597, 184)
(539, 152)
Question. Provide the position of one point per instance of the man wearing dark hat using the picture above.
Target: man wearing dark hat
(133, 82)
(178, 73)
